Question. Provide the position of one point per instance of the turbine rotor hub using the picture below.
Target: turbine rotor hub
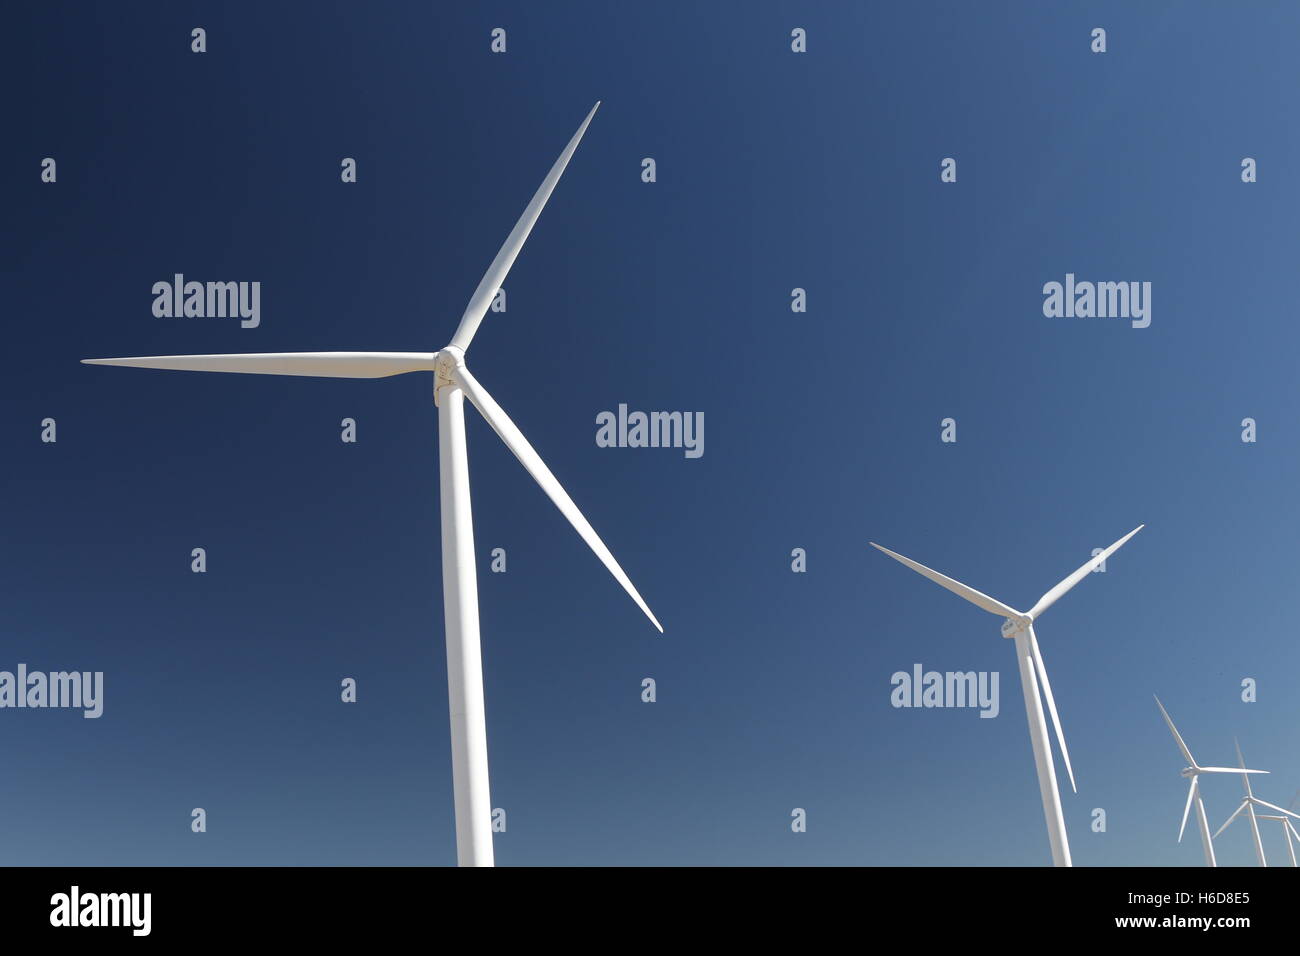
(1013, 626)
(449, 359)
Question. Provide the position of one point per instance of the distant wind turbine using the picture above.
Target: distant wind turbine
(1019, 625)
(1288, 830)
(1248, 807)
(1194, 771)
(452, 384)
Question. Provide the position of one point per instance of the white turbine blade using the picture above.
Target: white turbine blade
(1191, 794)
(956, 587)
(1054, 595)
(496, 273)
(1241, 761)
(1239, 811)
(534, 465)
(1187, 754)
(323, 364)
(1046, 685)
(1229, 821)
(1274, 806)
(1228, 770)
(1292, 831)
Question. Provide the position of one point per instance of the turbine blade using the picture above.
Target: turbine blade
(1274, 806)
(956, 587)
(1228, 822)
(1187, 754)
(1054, 595)
(496, 273)
(1228, 770)
(1191, 794)
(322, 364)
(1046, 685)
(534, 465)
(1241, 761)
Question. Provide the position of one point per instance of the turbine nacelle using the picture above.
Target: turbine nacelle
(1012, 626)
(446, 362)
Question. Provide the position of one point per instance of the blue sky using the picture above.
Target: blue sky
(775, 170)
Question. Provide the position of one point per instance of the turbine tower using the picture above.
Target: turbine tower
(1248, 806)
(452, 384)
(1288, 828)
(1193, 771)
(1019, 626)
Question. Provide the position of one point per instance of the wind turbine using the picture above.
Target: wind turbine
(1019, 625)
(1193, 771)
(1288, 827)
(452, 385)
(1288, 830)
(1248, 806)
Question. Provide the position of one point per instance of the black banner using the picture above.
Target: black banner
(184, 905)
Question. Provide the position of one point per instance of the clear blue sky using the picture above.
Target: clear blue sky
(775, 170)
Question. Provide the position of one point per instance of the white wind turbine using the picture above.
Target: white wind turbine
(1288, 830)
(452, 384)
(1248, 807)
(1019, 625)
(1193, 772)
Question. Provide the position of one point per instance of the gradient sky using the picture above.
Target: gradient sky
(775, 170)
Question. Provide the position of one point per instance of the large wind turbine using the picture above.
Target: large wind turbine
(1193, 772)
(1248, 806)
(452, 384)
(1019, 625)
